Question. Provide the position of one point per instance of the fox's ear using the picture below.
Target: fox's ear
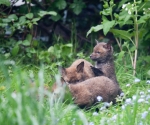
(96, 41)
(107, 46)
(80, 67)
(63, 71)
(96, 71)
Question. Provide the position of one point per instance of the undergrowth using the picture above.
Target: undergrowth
(26, 98)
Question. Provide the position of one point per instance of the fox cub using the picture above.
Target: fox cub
(80, 70)
(103, 56)
(85, 93)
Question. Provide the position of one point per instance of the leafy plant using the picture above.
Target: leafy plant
(129, 16)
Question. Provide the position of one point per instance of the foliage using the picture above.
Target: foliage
(129, 16)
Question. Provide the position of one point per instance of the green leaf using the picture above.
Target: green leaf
(61, 4)
(26, 43)
(107, 25)
(95, 29)
(13, 17)
(51, 49)
(29, 15)
(29, 37)
(5, 2)
(121, 33)
(15, 50)
(22, 20)
(77, 6)
(43, 13)
(56, 18)
(133, 48)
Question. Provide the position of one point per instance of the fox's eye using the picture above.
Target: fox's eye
(98, 52)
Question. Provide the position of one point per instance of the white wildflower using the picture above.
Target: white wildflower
(148, 8)
(123, 107)
(14, 95)
(99, 98)
(144, 114)
(128, 101)
(136, 80)
(106, 104)
(91, 123)
(149, 108)
(132, 4)
(126, 9)
(123, 6)
(141, 93)
(95, 113)
(128, 85)
(114, 117)
(140, 100)
(134, 97)
(129, 12)
(128, 2)
(144, 13)
(148, 91)
(147, 97)
(103, 108)
(148, 81)
(143, 8)
(142, 96)
(122, 94)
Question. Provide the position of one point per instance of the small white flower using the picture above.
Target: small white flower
(132, 4)
(149, 108)
(136, 80)
(141, 123)
(148, 81)
(91, 123)
(123, 107)
(128, 101)
(126, 9)
(128, 2)
(148, 8)
(103, 108)
(129, 12)
(114, 117)
(123, 6)
(14, 95)
(128, 85)
(143, 8)
(134, 97)
(144, 114)
(141, 93)
(147, 97)
(99, 98)
(122, 94)
(106, 104)
(95, 113)
(140, 100)
(144, 13)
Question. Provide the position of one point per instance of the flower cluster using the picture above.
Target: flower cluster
(128, 7)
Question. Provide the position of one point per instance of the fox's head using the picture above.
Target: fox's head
(102, 52)
(73, 74)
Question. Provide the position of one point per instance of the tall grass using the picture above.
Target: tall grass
(24, 102)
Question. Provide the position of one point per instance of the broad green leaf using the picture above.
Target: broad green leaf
(29, 37)
(121, 33)
(35, 19)
(29, 15)
(5, 2)
(61, 4)
(51, 49)
(133, 48)
(107, 25)
(26, 43)
(15, 50)
(43, 13)
(6, 20)
(56, 18)
(13, 17)
(22, 20)
(77, 6)
(95, 29)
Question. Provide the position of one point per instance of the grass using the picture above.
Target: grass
(26, 103)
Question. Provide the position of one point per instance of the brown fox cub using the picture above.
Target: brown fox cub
(103, 56)
(80, 70)
(85, 93)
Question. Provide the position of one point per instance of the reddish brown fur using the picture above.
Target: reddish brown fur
(78, 71)
(85, 93)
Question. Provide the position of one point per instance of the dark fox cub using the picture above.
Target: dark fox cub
(103, 56)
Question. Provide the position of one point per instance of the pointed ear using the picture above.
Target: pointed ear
(96, 71)
(107, 46)
(80, 67)
(96, 41)
(62, 70)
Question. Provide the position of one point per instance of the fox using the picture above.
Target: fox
(85, 93)
(79, 71)
(102, 55)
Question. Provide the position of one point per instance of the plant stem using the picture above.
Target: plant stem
(136, 40)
